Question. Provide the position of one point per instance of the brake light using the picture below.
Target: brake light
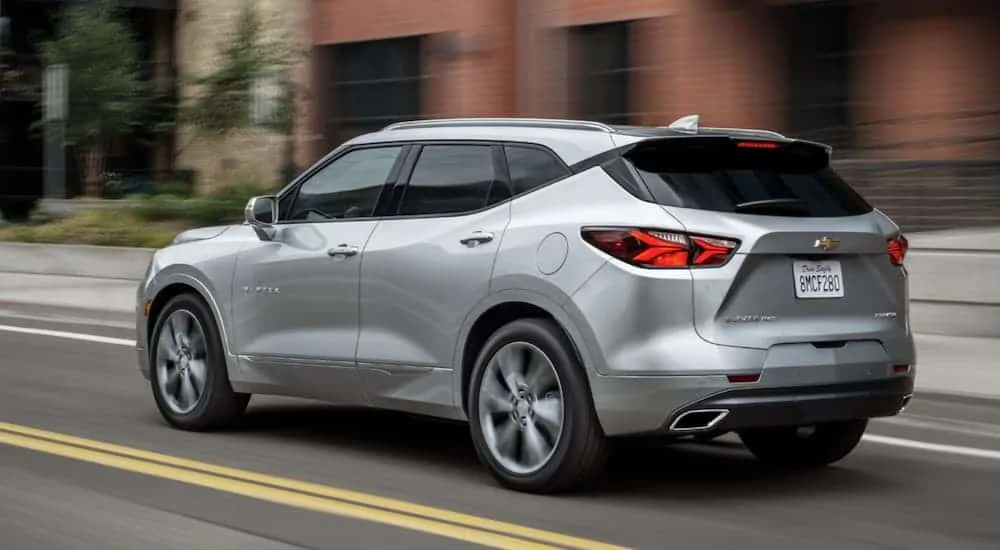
(897, 247)
(661, 249)
(757, 145)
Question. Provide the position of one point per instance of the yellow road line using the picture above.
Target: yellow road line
(270, 494)
(466, 527)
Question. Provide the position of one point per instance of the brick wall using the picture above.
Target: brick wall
(926, 79)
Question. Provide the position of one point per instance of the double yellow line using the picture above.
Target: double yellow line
(298, 494)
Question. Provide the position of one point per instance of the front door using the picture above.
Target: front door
(295, 299)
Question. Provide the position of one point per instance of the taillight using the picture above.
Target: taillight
(661, 249)
(897, 247)
(757, 145)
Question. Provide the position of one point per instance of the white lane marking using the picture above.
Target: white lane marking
(70, 335)
(937, 447)
(66, 320)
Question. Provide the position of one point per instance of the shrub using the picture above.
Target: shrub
(220, 207)
(107, 228)
(174, 188)
(18, 209)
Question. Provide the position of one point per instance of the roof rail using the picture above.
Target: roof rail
(691, 124)
(498, 121)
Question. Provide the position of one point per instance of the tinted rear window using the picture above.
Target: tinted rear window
(713, 174)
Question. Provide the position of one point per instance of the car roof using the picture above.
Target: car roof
(573, 140)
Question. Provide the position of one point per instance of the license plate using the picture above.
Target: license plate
(823, 279)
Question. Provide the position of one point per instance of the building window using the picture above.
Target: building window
(819, 56)
(603, 71)
(372, 84)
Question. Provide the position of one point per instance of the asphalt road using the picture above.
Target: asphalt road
(330, 467)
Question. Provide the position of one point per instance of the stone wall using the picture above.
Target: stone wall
(252, 154)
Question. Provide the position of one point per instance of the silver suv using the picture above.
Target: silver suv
(555, 283)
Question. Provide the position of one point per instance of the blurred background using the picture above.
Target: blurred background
(149, 103)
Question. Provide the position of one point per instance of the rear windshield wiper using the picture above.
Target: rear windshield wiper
(779, 206)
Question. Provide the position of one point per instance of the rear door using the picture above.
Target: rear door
(425, 268)
(813, 263)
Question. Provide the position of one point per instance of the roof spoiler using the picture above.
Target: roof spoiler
(692, 124)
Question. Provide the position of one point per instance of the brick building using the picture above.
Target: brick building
(908, 91)
(908, 79)
(862, 74)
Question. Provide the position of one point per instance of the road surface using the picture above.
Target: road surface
(86, 463)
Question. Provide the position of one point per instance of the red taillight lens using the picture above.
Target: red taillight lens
(897, 248)
(661, 249)
(757, 145)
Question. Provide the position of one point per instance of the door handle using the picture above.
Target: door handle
(477, 238)
(343, 250)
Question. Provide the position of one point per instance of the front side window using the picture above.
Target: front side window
(348, 187)
(450, 179)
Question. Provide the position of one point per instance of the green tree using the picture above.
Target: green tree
(223, 98)
(107, 94)
(222, 102)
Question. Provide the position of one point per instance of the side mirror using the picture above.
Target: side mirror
(261, 213)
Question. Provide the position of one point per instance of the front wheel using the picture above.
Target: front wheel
(799, 447)
(531, 413)
(188, 368)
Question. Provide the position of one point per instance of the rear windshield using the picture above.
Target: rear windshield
(716, 174)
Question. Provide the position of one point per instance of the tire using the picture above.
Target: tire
(217, 406)
(579, 451)
(786, 447)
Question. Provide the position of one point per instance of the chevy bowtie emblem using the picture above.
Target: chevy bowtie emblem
(826, 243)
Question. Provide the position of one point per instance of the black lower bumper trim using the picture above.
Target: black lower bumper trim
(799, 406)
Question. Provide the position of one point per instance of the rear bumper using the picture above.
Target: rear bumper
(744, 408)
(649, 405)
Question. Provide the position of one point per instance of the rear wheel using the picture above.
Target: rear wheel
(531, 413)
(800, 447)
(188, 375)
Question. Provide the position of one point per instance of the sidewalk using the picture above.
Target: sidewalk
(87, 293)
(946, 364)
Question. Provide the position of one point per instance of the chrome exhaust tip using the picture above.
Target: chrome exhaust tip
(906, 401)
(698, 420)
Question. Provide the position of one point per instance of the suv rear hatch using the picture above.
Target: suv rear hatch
(815, 262)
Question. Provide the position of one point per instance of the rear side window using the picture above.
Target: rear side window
(531, 167)
(794, 180)
(449, 179)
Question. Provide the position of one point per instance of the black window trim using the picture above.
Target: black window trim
(500, 166)
(292, 189)
(389, 202)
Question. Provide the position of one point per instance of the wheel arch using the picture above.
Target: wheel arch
(176, 284)
(501, 309)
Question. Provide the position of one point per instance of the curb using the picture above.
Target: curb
(106, 262)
